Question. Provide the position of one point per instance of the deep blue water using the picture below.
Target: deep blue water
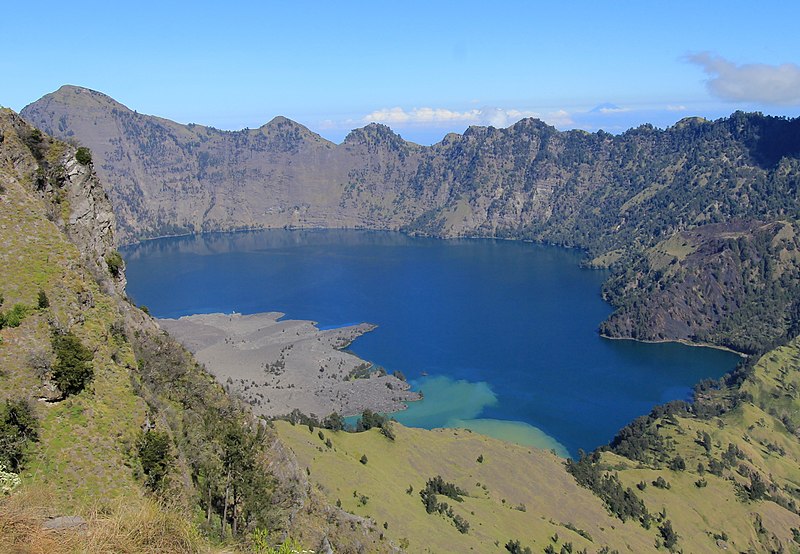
(516, 322)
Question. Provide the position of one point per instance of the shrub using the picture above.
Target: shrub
(677, 463)
(334, 422)
(73, 369)
(363, 459)
(621, 501)
(387, 430)
(154, 454)
(461, 524)
(8, 480)
(18, 427)
(514, 547)
(669, 534)
(260, 544)
(758, 488)
(42, 301)
(661, 483)
(83, 155)
(114, 263)
(368, 420)
(14, 317)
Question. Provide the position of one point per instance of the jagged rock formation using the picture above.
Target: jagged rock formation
(615, 196)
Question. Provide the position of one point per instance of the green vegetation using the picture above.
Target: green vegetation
(13, 317)
(74, 453)
(83, 155)
(514, 547)
(334, 422)
(510, 476)
(620, 501)
(19, 427)
(668, 534)
(42, 302)
(260, 543)
(223, 445)
(437, 485)
(73, 368)
(155, 456)
(114, 263)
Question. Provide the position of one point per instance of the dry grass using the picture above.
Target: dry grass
(21, 518)
(140, 526)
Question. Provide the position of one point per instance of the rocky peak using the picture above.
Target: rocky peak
(80, 96)
(289, 135)
(375, 135)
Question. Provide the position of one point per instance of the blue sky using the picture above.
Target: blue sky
(424, 68)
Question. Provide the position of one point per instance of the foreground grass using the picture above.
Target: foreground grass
(121, 527)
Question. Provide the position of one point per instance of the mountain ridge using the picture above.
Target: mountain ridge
(618, 197)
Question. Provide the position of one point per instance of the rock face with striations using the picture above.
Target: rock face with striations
(167, 178)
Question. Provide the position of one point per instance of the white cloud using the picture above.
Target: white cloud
(678, 108)
(613, 110)
(496, 117)
(559, 118)
(608, 108)
(768, 84)
(419, 115)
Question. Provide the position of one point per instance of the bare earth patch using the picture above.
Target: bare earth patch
(278, 366)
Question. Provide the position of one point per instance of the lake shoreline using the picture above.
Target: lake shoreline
(278, 365)
(684, 342)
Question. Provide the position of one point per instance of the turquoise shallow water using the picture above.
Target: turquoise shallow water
(451, 403)
(501, 336)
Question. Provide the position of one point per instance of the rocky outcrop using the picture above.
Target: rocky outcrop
(77, 201)
(91, 221)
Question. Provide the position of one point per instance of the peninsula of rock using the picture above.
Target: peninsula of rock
(279, 365)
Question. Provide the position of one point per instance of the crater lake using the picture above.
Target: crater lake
(501, 336)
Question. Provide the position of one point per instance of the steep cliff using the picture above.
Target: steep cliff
(167, 178)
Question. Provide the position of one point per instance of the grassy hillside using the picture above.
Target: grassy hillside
(85, 439)
(516, 493)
